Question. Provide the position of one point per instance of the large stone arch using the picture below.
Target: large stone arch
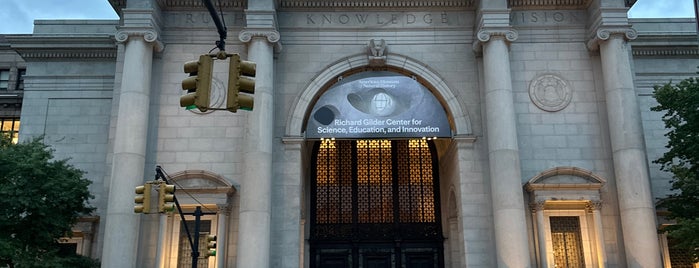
(458, 116)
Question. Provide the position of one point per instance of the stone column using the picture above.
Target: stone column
(511, 240)
(538, 209)
(221, 235)
(122, 224)
(636, 207)
(256, 186)
(594, 207)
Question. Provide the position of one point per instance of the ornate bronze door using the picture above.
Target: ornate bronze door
(375, 203)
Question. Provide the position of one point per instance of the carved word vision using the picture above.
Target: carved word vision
(553, 17)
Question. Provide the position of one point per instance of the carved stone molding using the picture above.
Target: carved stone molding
(57, 54)
(548, 3)
(603, 34)
(392, 4)
(149, 35)
(665, 51)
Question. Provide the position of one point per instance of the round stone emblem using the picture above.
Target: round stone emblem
(550, 93)
(216, 98)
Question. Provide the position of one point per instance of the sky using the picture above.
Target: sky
(17, 16)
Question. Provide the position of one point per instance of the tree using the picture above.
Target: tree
(681, 105)
(40, 199)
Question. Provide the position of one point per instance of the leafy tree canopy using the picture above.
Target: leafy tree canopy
(41, 199)
(680, 102)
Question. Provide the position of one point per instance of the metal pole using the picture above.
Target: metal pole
(195, 249)
(221, 44)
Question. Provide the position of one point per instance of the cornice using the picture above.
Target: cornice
(387, 4)
(648, 51)
(548, 4)
(62, 54)
(167, 5)
(61, 47)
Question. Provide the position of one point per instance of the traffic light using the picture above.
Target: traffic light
(166, 197)
(142, 199)
(198, 84)
(210, 245)
(241, 79)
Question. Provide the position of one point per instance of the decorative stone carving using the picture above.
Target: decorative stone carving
(272, 36)
(377, 52)
(603, 34)
(509, 34)
(149, 35)
(550, 93)
(484, 35)
(247, 35)
(593, 205)
(538, 206)
(217, 96)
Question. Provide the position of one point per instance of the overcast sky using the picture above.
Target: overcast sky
(17, 16)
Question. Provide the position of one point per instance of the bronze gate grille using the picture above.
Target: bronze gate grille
(375, 203)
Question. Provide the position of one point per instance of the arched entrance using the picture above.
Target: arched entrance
(375, 203)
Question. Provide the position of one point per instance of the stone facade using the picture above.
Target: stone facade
(548, 103)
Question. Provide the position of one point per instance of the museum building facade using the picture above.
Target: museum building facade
(440, 133)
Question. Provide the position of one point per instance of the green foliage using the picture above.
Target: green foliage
(681, 105)
(41, 199)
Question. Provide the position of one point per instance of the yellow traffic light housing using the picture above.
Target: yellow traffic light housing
(142, 199)
(198, 84)
(241, 79)
(166, 197)
(210, 245)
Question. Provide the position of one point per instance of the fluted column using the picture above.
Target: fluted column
(122, 224)
(511, 240)
(636, 208)
(255, 191)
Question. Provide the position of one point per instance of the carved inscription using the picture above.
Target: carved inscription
(201, 19)
(373, 19)
(548, 17)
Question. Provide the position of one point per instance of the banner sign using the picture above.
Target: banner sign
(378, 105)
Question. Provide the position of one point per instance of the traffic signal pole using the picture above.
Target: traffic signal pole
(221, 43)
(193, 238)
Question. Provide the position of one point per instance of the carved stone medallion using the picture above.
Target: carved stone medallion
(216, 98)
(550, 93)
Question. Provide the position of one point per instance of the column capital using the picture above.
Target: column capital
(537, 206)
(593, 205)
(272, 36)
(604, 34)
(149, 35)
(486, 34)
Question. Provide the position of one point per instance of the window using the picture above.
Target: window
(20, 79)
(10, 126)
(4, 79)
(184, 256)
